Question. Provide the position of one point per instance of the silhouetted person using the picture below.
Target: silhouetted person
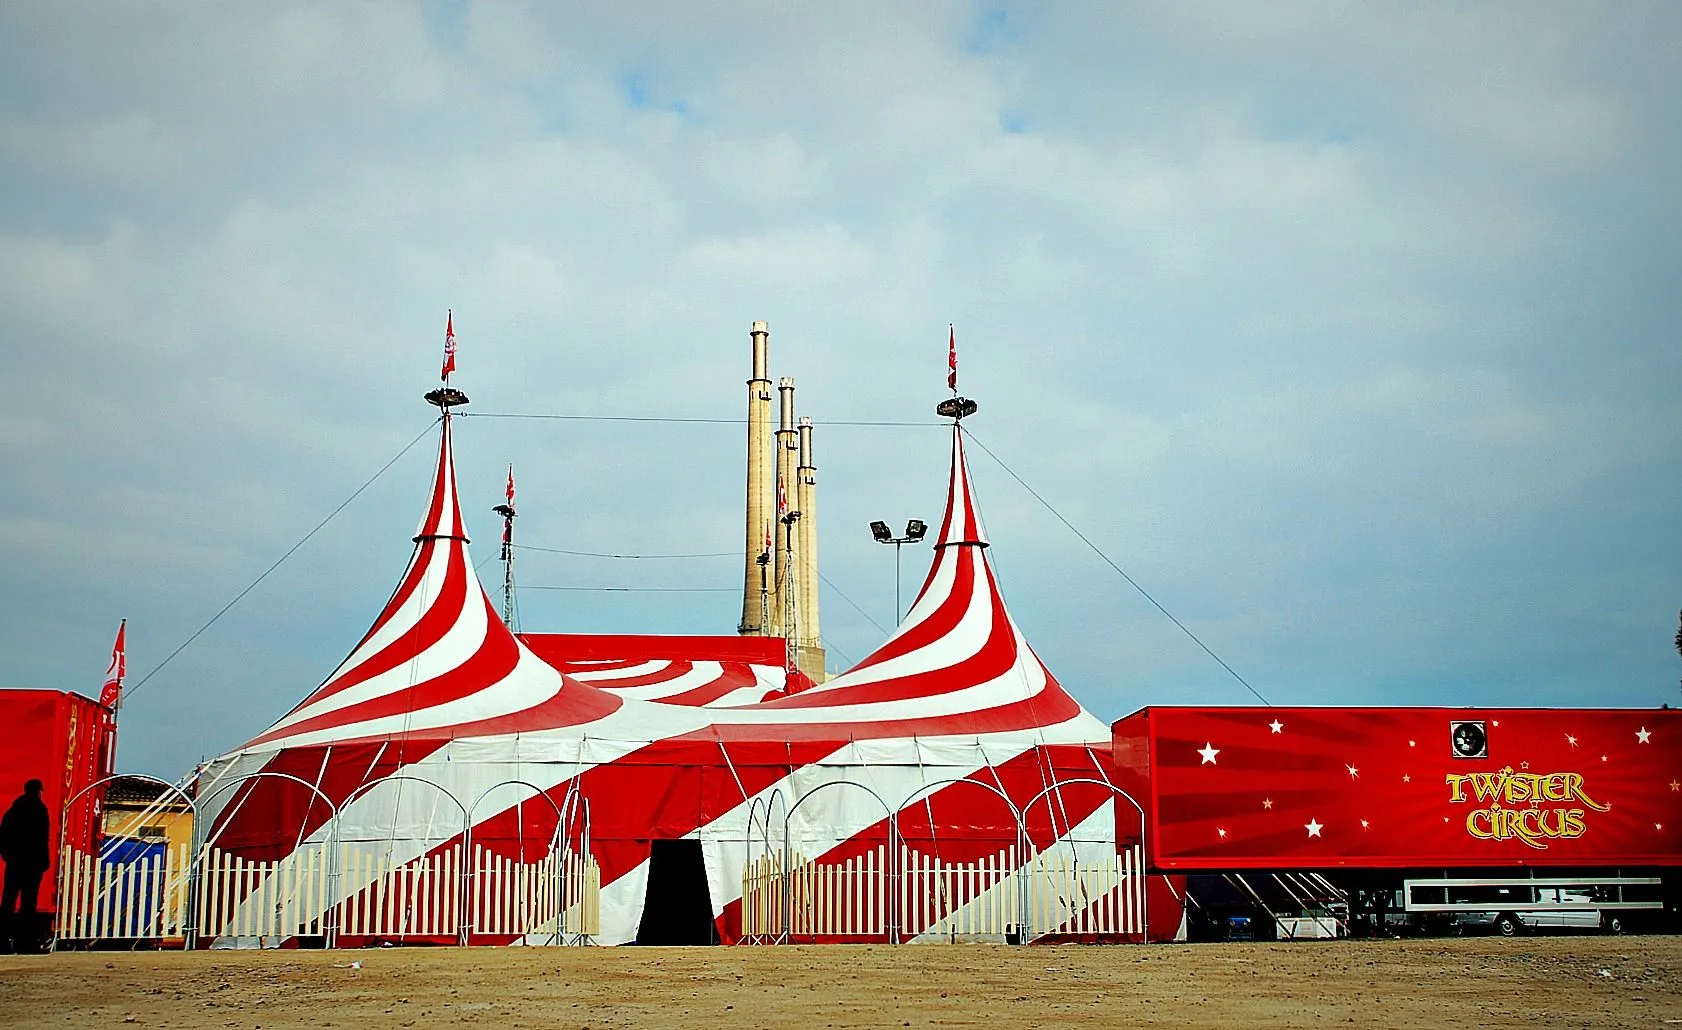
(23, 846)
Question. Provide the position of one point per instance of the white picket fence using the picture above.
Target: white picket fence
(1051, 893)
(554, 900)
(136, 900)
(557, 897)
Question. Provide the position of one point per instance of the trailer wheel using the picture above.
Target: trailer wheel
(1508, 925)
(1612, 924)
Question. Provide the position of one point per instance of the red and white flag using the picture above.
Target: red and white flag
(782, 500)
(951, 359)
(767, 538)
(449, 346)
(112, 692)
(511, 486)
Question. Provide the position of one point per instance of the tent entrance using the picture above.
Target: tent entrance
(678, 909)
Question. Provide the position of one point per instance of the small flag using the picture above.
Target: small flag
(449, 346)
(767, 539)
(112, 692)
(951, 358)
(510, 486)
(782, 500)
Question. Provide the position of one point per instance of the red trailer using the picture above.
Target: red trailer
(1405, 788)
(56, 737)
(1322, 821)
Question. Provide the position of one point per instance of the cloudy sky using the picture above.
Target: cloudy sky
(1348, 330)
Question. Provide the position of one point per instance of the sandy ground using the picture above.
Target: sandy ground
(1558, 981)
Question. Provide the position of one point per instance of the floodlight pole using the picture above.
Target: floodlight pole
(910, 537)
(508, 513)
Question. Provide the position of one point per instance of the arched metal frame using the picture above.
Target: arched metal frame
(466, 834)
(756, 806)
(1144, 913)
(329, 931)
(893, 866)
(760, 811)
(64, 817)
(1024, 845)
(559, 836)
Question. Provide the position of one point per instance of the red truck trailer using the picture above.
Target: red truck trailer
(1447, 801)
(56, 737)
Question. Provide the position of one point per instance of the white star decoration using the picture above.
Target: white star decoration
(1222, 831)
(1276, 726)
(1353, 772)
(1603, 758)
(1658, 826)
(1676, 784)
(1313, 826)
(1365, 824)
(1268, 802)
(1406, 778)
(1642, 734)
(1569, 739)
(1412, 743)
(1208, 751)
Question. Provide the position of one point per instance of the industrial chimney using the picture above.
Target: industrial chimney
(757, 576)
(786, 582)
(808, 642)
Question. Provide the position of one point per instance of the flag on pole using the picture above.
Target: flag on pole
(767, 551)
(112, 692)
(449, 345)
(782, 500)
(951, 358)
(510, 486)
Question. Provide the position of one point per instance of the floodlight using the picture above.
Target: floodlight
(446, 397)
(881, 532)
(955, 407)
(914, 530)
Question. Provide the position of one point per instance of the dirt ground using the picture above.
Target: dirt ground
(1558, 981)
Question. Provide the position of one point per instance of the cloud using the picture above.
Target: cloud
(1344, 330)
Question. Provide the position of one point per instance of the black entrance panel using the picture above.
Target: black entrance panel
(678, 909)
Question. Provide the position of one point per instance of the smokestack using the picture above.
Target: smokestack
(758, 570)
(785, 583)
(809, 652)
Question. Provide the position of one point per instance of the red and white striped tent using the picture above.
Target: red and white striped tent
(442, 722)
(703, 672)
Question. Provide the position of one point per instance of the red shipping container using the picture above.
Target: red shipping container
(1324, 788)
(56, 737)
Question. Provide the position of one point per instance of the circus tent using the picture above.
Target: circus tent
(442, 724)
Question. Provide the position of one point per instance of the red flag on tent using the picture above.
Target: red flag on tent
(112, 692)
(510, 486)
(951, 359)
(449, 345)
